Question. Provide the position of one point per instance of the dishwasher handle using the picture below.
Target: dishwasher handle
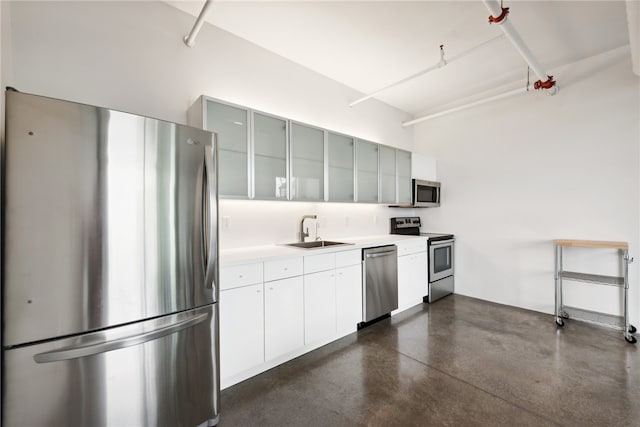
(379, 254)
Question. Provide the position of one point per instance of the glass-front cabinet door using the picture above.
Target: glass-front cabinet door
(367, 171)
(269, 156)
(403, 159)
(231, 125)
(307, 162)
(341, 172)
(387, 174)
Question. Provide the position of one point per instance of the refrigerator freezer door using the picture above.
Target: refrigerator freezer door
(159, 372)
(110, 218)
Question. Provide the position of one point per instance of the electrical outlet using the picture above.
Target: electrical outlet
(346, 221)
(226, 222)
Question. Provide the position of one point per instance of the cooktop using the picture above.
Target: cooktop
(410, 226)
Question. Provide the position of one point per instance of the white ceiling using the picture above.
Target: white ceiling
(367, 45)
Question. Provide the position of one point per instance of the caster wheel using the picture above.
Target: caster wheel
(632, 329)
(560, 322)
(630, 339)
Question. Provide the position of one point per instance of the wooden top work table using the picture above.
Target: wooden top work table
(591, 244)
(565, 312)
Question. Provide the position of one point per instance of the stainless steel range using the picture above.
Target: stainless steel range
(440, 250)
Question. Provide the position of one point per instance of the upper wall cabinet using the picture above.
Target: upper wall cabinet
(307, 162)
(403, 162)
(367, 171)
(231, 123)
(341, 174)
(266, 157)
(270, 157)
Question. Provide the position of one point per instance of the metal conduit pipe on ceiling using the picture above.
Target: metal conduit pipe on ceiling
(499, 17)
(633, 23)
(443, 62)
(190, 39)
(465, 106)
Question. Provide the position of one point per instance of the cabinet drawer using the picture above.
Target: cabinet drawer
(346, 258)
(408, 247)
(323, 262)
(281, 269)
(240, 275)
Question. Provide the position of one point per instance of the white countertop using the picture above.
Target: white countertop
(270, 252)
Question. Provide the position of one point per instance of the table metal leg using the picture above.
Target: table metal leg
(627, 326)
(558, 283)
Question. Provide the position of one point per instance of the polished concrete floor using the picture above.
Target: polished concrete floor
(458, 362)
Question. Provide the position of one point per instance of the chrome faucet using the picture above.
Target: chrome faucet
(301, 232)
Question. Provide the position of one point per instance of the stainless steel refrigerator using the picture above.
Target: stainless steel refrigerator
(110, 268)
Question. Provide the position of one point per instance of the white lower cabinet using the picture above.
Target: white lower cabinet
(290, 313)
(412, 279)
(241, 329)
(332, 298)
(319, 306)
(348, 298)
(283, 316)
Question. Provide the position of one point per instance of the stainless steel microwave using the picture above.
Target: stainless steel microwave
(426, 194)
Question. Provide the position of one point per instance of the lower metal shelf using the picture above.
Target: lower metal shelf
(603, 319)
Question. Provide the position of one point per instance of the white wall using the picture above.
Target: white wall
(267, 222)
(518, 173)
(130, 56)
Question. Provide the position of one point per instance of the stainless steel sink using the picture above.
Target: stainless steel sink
(316, 244)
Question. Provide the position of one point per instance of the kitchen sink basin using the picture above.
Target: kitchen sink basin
(316, 244)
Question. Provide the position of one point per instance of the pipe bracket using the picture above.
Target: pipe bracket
(499, 19)
(546, 84)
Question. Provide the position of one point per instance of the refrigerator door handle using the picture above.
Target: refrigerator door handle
(74, 352)
(212, 220)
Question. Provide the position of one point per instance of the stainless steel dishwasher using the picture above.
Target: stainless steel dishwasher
(379, 283)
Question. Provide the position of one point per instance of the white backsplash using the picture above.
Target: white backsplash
(245, 223)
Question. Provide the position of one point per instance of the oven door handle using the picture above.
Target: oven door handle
(442, 242)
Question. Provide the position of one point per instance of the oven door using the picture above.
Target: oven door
(440, 259)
